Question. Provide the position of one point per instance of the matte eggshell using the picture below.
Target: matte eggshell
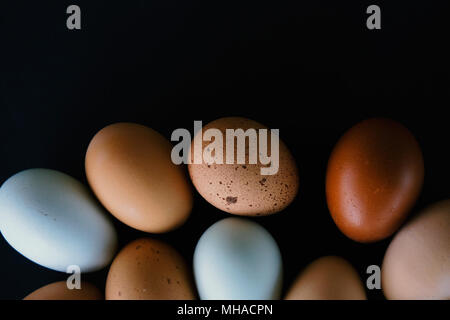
(417, 261)
(53, 220)
(374, 176)
(148, 269)
(237, 259)
(327, 278)
(131, 172)
(59, 291)
(241, 189)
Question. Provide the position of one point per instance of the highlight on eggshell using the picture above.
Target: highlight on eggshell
(241, 167)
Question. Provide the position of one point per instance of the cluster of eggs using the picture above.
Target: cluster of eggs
(374, 176)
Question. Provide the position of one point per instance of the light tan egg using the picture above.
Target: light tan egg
(327, 278)
(241, 188)
(417, 262)
(130, 170)
(59, 291)
(148, 269)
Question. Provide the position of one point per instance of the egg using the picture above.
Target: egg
(129, 168)
(59, 291)
(237, 259)
(417, 262)
(241, 188)
(374, 176)
(148, 269)
(53, 220)
(327, 278)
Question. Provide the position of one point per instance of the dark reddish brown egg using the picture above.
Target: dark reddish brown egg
(374, 176)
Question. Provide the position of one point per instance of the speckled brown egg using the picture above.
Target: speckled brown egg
(130, 170)
(241, 188)
(148, 269)
(374, 177)
(328, 278)
(417, 261)
(59, 291)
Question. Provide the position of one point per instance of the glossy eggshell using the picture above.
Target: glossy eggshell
(130, 170)
(236, 259)
(59, 291)
(327, 278)
(374, 176)
(417, 261)
(53, 220)
(241, 189)
(148, 269)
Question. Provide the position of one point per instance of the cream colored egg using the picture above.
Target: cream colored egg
(417, 262)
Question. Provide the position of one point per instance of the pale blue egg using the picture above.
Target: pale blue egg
(237, 259)
(53, 220)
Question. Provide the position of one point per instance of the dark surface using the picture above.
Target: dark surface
(311, 69)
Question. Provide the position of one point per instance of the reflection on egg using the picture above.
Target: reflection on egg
(374, 176)
(417, 261)
(241, 188)
(148, 269)
(130, 170)
(237, 259)
(53, 220)
(59, 291)
(327, 278)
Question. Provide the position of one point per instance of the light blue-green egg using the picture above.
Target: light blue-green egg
(53, 220)
(237, 259)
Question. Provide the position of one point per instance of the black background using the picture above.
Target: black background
(310, 68)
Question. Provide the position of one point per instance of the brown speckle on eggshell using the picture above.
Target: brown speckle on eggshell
(148, 269)
(241, 188)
